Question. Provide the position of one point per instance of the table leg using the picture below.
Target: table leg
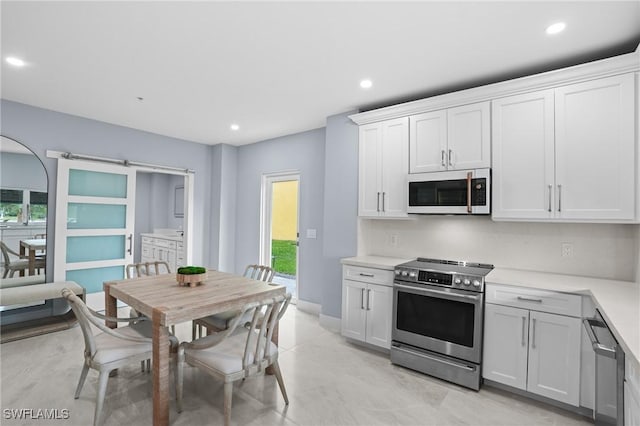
(110, 307)
(22, 253)
(160, 371)
(32, 262)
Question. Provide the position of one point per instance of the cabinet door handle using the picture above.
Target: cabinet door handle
(524, 324)
(533, 334)
(368, 299)
(130, 249)
(362, 298)
(527, 299)
(362, 274)
(442, 160)
(469, 176)
(559, 198)
(550, 190)
(378, 202)
(451, 158)
(383, 194)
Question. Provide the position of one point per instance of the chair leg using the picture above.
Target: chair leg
(193, 330)
(278, 373)
(102, 390)
(148, 366)
(179, 370)
(142, 366)
(228, 393)
(83, 377)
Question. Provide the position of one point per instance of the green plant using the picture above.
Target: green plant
(283, 254)
(191, 270)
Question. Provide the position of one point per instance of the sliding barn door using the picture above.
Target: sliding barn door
(94, 227)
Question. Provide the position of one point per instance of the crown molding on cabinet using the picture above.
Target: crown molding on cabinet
(598, 69)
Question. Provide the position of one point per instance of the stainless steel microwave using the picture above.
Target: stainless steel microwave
(453, 192)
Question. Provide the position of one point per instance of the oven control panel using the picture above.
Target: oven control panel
(444, 279)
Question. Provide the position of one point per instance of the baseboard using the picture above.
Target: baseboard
(308, 307)
(330, 323)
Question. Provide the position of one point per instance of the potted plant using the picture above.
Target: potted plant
(191, 275)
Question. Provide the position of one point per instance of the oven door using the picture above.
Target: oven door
(453, 192)
(438, 319)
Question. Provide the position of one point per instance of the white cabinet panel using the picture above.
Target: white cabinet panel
(354, 314)
(554, 357)
(595, 149)
(383, 165)
(428, 142)
(469, 136)
(379, 308)
(506, 345)
(523, 156)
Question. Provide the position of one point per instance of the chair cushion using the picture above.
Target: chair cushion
(110, 348)
(226, 357)
(222, 320)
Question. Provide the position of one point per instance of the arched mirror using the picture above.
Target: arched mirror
(23, 215)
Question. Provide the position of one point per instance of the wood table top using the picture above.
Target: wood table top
(219, 292)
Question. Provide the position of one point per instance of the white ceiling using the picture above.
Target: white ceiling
(277, 68)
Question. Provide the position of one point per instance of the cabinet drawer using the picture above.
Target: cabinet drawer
(147, 240)
(367, 275)
(160, 242)
(535, 299)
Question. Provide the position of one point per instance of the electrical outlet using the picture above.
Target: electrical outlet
(567, 250)
(394, 240)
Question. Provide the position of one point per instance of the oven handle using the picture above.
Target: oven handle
(444, 293)
(424, 355)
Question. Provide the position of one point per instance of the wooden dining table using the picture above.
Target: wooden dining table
(32, 246)
(160, 298)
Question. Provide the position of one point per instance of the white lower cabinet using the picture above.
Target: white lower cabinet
(165, 249)
(367, 297)
(535, 351)
(631, 394)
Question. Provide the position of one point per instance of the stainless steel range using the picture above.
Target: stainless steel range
(438, 313)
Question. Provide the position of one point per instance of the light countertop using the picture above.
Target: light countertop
(618, 301)
(165, 236)
(379, 262)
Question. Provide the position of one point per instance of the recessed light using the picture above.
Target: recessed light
(366, 84)
(16, 62)
(235, 127)
(556, 28)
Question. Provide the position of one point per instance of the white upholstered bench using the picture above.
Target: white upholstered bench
(27, 293)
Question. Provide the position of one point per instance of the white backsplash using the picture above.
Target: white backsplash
(598, 250)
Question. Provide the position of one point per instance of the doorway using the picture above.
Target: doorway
(279, 229)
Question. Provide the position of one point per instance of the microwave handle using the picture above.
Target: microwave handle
(469, 176)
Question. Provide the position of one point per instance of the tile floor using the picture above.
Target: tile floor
(329, 382)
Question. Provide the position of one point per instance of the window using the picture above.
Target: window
(22, 205)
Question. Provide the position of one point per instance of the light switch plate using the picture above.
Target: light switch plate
(311, 233)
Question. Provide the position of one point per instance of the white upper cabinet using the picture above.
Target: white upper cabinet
(595, 149)
(452, 139)
(383, 165)
(566, 154)
(523, 156)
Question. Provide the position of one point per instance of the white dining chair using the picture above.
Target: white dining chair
(240, 351)
(109, 350)
(219, 322)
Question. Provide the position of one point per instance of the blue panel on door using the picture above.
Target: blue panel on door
(96, 216)
(97, 184)
(92, 279)
(103, 247)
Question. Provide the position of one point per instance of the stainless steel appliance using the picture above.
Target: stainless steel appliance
(438, 314)
(609, 404)
(454, 192)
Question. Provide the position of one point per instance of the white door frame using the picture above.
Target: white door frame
(265, 217)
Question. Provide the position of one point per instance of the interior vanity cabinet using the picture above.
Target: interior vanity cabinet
(532, 341)
(367, 297)
(156, 247)
(382, 168)
(566, 153)
(451, 139)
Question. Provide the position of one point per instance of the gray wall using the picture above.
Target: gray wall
(340, 207)
(303, 152)
(22, 171)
